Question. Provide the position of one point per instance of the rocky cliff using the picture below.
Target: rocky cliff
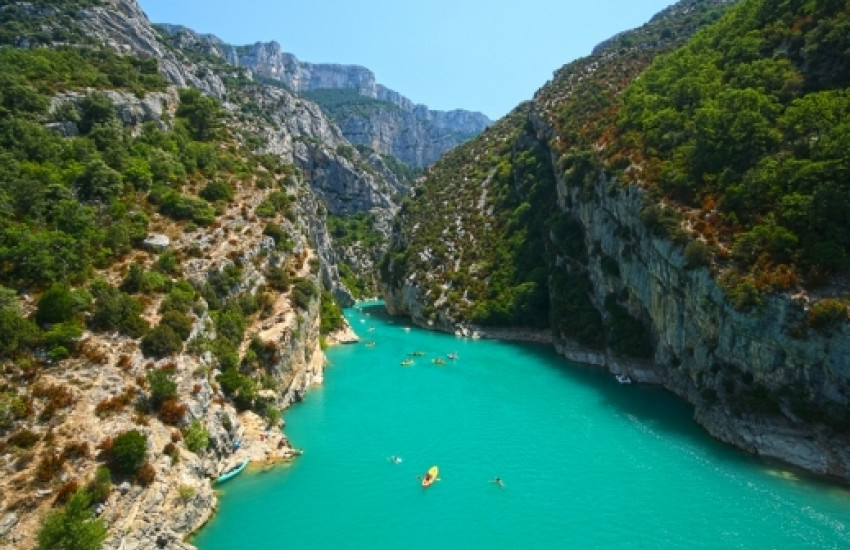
(618, 289)
(384, 120)
(279, 145)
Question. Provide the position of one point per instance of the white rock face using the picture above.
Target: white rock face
(411, 132)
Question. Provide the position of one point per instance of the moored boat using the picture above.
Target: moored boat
(233, 472)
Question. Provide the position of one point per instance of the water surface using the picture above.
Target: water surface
(586, 462)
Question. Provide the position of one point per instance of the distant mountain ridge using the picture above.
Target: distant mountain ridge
(413, 133)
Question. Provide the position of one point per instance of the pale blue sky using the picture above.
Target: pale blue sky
(478, 55)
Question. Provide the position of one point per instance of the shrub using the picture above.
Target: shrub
(74, 450)
(72, 528)
(65, 335)
(49, 465)
(172, 451)
(16, 332)
(146, 474)
(331, 314)
(168, 262)
(278, 278)
(196, 436)
(217, 190)
(59, 304)
(178, 322)
(185, 492)
(698, 254)
(161, 341)
(303, 292)
(827, 313)
(172, 411)
(116, 310)
(101, 484)
(162, 386)
(23, 439)
(128, 451)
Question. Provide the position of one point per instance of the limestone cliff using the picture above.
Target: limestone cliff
(617, 291)
(384, 120)
(318, 172)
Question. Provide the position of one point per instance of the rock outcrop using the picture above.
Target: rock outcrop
(392, 124)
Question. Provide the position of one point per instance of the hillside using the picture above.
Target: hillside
(168, 275)
(368, 113)
(669, 207)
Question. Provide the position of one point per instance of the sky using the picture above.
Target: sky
(479, 55)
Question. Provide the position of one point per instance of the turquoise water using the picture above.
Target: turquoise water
(586, 462)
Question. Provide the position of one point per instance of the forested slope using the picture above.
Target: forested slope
(672, 206)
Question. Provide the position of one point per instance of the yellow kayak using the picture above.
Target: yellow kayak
(431, 476)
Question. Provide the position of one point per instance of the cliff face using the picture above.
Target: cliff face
(760, 378)
(710, 354)
(320, 173)
(389, 124)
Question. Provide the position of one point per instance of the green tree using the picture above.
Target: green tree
(98, 183)
(74, 527)
(161, 341)
(128, 451)
(96, 108)
(203, 113)
(197, 437)
(162, 385)
(59, 303)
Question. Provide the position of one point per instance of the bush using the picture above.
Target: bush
(162, 385)
(172, 411)
(101, 485)
(65, 492)
(161, 341)
(196, 436)
(303, 292)
(128, 451)
(74, 527)
(217, 190)
(116, 310)
(23, 439)
(698, 254)
(49, 465)
(278, 278)
(827, 313)
(59, 304)
(331, 314)
(178, 322)
(146, 474)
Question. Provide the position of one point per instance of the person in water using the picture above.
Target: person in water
(498, 481)
(395, 459)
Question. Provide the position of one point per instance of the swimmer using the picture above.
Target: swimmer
(498, 481)
(395, 459)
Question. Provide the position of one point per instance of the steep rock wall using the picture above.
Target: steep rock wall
(413, 133)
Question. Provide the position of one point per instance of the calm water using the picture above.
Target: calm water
(586, 462)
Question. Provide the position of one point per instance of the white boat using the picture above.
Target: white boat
(623, 378)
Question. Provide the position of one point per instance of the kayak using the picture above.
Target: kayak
(431, 476)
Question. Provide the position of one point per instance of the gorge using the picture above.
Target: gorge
(183, 219)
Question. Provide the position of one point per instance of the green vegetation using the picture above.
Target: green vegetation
(331, 314)
(73, 527)
(343, 103)
(353, 229)
(128, 452)
(748, 124)
(196, 436)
